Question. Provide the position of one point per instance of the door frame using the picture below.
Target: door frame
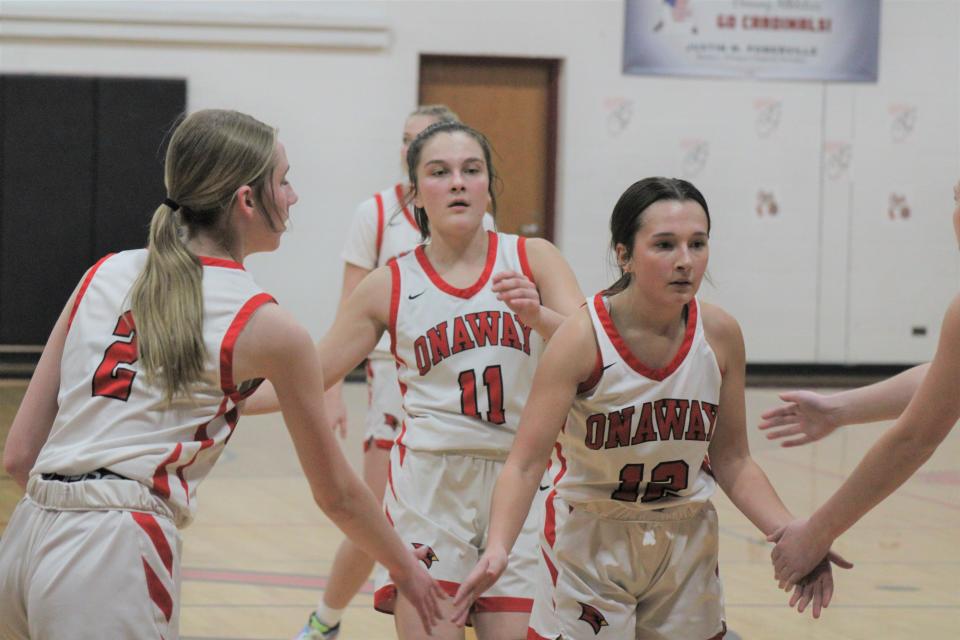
(552, 117)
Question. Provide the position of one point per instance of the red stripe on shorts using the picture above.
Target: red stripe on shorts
(385, 597)
(552, 569)
(502, 604)
(150, 525)
(158, 592)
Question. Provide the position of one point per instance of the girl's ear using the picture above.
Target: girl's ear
(245, 199)
(623, 255)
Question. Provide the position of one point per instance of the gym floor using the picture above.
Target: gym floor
(257, 556)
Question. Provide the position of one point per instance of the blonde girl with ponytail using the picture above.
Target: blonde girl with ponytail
(141, 384)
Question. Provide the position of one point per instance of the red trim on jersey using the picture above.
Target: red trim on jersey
(552, 569)
(83, 287)
(379, 200)
(401, 199)
(533, 635)
(550, 516)
(158, 592)
(563, 464)
(502, 604)
(230, 340)
(550, 519)
(201, 436)
(524, 262)
(379, 443)
(402, 448)
(390, 480)
(161, 478)
(627, 355)
(595, 375)
(705, 466)
(446, 287)
(394, 306)
(152, 528)
(207, 261)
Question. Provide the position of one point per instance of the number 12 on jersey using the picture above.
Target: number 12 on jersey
(493, 381)
(666, 479)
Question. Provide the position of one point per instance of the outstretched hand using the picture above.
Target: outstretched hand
(489, 568)
(806, 417)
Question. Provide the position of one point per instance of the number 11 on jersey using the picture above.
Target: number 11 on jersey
(493, 381)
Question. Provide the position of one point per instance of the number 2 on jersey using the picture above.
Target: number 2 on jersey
(111, 380)
(493, 381)
(666, 479)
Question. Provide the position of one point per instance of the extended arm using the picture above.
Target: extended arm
(896, 455)
(808, 416)
(274, 346)
(352, 276)
(38, 409)
(738, 474)
(567, 360)
(360, 322)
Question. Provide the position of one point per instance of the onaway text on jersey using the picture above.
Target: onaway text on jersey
(470, 331)
(664, 419)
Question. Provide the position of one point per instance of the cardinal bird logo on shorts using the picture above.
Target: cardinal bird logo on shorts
(592, 617)
(391, 421)
(431, 556)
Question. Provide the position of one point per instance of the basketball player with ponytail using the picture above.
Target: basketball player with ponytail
(632, 393)
(138, 389)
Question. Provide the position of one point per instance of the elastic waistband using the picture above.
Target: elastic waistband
(99, 474)
(104, 494)
(611, 511)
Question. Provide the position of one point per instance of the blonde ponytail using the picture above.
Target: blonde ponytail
(167, 304)
(212, 153)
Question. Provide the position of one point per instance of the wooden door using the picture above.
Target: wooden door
(513, 101)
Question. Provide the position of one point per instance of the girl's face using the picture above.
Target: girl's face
(670, 251)
(411, 129)
(452, 182)
(284, 197)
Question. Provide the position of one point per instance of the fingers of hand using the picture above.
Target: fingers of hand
(795, 596)
(809, 590)
(839, 560)
(796, 442)
(787, 430)
(784, 411)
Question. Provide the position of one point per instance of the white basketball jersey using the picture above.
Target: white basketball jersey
(635, 436)
(464, 360)
(383, 228)
(111, 418)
